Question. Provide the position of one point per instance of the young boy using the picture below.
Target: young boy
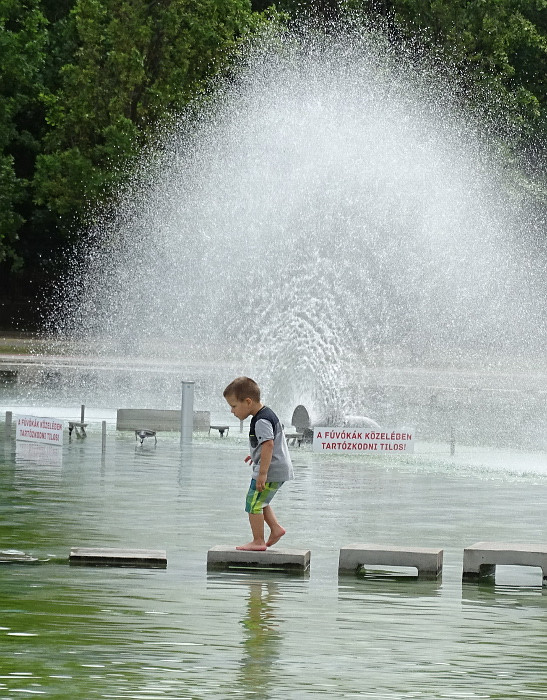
(269, 458)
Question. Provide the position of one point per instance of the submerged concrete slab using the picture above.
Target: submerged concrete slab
(8, 556)
(158, 419)
(481, 558)
(221, 429)
(104, 556)
(143, 434)
(428, 561)
(228, 557)
(294, 438)
(79, 427)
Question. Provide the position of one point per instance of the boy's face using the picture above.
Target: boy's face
(240, 409)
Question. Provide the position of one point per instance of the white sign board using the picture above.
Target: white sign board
(48, 431)
(360, 440)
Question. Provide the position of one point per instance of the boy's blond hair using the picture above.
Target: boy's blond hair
(243, 388)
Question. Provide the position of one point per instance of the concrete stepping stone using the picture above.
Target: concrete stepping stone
(103, 556)
(8, 556)
(481, 558)
(428, 561)
(228, 557)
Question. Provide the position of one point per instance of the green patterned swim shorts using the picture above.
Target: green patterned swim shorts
(256, 500)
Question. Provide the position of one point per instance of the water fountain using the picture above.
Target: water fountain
(334, 223)
(331, 224)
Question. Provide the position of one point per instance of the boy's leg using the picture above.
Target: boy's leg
(256, 521)
(277, 531)
(253, 507)
(257, 506)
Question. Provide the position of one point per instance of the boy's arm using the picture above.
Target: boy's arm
(266, 453)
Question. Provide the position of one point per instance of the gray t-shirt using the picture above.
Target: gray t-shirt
(265, 425)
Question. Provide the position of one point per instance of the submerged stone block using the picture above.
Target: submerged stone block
(104, 556)
(8, 556)
(428, 561)
(228, 557)
(481, 558)
(158, 419)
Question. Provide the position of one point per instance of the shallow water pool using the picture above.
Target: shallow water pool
(85, 632)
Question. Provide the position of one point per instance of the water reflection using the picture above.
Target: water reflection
(185, 633)
(261, 638)
(384, 586)
(38, 454)
(489, 593)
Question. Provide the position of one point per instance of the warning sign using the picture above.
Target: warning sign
(359, 440)
(34, 429)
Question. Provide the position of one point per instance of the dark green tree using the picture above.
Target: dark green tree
(23, 39)
(86, 84)
(499, 48)
(136, 64)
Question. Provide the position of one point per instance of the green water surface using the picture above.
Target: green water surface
(94, 632)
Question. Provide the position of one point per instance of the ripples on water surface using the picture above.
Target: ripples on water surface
(84, 632)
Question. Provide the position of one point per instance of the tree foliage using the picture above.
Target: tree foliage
(499, 46)
(23, 41)
(85, 84)
(136, 63)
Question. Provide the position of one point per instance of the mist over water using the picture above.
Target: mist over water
(331, 208)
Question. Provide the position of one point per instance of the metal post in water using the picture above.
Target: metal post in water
(103, 436)
(82, 413)
(187, 412)
(452, 441)
(9, 416)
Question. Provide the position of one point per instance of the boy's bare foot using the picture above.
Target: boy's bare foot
(275, 536)
(252, 547)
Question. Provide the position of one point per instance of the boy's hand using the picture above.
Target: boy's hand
(260, 483)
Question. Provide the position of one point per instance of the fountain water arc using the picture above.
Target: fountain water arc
(330, 217)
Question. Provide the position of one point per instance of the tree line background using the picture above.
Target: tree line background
(85, 84)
